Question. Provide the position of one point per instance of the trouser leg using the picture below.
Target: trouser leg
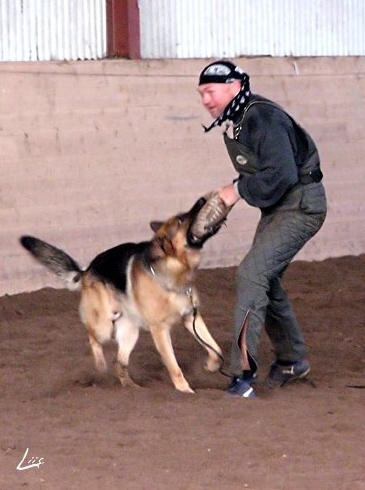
(278, 238)
(249, 315)
(281, 325)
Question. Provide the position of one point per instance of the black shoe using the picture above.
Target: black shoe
(280, 375)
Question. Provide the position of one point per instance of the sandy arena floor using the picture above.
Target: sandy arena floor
(88, 433)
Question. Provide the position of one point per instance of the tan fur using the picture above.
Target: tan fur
(153, 302)
(158, 296)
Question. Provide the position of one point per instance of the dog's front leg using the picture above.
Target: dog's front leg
(196, 325)
(162, 339)
(126, 336)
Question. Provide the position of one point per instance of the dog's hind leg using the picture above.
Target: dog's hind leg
(98, 354)
(162, 339)
(100, 329)
(126, 336)
(96, 313)
(196, 325)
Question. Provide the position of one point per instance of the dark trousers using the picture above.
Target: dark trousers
(280, 234)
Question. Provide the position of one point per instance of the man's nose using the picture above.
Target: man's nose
(205, 99)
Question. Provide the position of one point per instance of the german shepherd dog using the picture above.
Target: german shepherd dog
(148, 285)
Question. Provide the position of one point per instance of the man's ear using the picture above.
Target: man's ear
(155, 225)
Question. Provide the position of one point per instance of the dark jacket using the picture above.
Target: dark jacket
(278, 150)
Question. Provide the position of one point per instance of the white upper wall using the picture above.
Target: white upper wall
(45, 30)
(172, 29)
(231, 28)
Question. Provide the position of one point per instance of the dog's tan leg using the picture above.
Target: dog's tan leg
(162, 339)
(200, 331)
(99, 358)
(126, 336)
(95, 313)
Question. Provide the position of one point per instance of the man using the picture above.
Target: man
(279, 172)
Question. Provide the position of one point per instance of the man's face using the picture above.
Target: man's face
(216, 96)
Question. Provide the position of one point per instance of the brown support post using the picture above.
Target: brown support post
(123, 36)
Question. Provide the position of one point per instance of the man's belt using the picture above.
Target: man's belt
(313, 176)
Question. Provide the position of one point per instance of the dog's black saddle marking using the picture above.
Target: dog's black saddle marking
(111, 265)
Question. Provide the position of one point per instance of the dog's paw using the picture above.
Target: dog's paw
(186, 390)
(128, 383)
(123, 376)
(182, 385)
(213, 364)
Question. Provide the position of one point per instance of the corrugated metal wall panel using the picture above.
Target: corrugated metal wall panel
(76, 29)
(52, 30)
(231, 28)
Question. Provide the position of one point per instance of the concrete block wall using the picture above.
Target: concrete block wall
(90, 152)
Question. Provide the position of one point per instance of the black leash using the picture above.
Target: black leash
(195, 311)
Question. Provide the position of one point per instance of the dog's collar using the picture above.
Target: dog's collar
(188, 291)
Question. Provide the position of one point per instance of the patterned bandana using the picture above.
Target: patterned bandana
(227, 72)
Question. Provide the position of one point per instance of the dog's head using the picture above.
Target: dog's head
(172, 236)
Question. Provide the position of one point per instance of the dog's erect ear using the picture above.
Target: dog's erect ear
(155, 225)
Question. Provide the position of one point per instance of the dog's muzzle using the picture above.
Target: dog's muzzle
(194, 241)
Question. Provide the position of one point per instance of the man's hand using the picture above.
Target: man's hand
(228, 195)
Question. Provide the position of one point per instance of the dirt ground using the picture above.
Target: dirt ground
(67, 428)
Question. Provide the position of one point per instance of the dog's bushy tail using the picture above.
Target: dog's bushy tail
(56, 260)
